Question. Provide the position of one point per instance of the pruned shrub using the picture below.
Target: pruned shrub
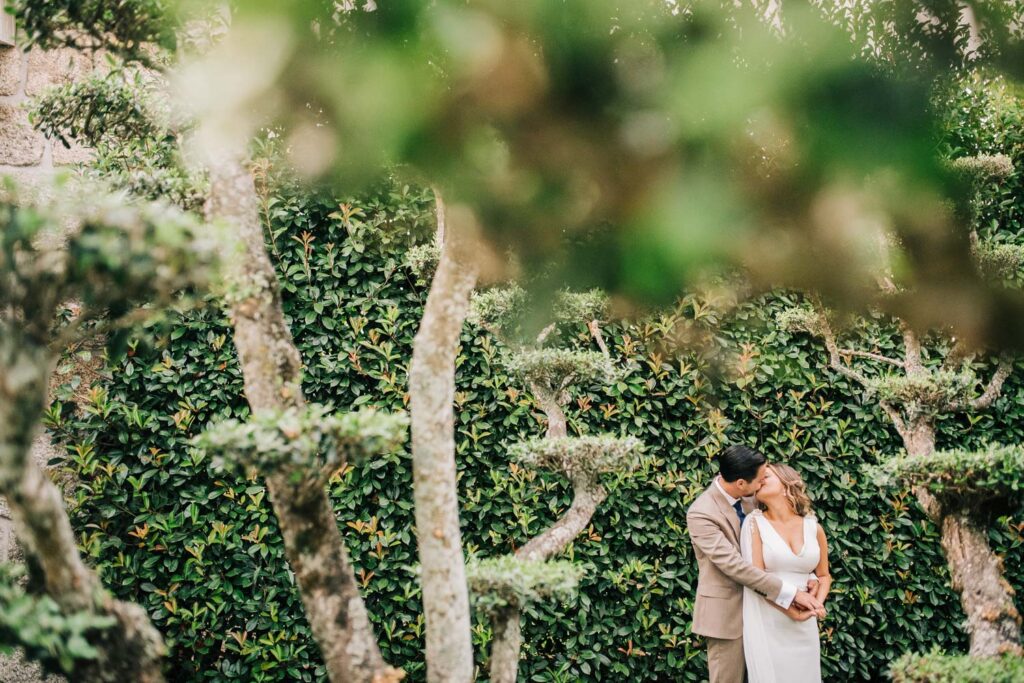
(938, 667)
(507, 581)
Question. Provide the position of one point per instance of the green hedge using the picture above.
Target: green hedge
(201, 551)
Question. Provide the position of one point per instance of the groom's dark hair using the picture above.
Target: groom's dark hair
(739, 462)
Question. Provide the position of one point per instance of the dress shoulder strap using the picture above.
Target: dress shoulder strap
(810, 525)
(759, 520)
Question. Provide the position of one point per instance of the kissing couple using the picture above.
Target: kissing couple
(763, 562)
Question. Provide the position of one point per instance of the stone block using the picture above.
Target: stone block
(20, 144)
(47, 68)
(76, 154)
(10, 71)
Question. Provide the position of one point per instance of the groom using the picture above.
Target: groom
(714, 522)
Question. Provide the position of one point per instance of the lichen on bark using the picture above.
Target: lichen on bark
(449, 649)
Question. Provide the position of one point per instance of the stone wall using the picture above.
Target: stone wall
(23, 151)
(28, 155)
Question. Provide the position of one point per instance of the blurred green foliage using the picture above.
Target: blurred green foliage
(661, 138)
(36, 624)
(313, 439)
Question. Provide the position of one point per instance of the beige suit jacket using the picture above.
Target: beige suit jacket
(714, 530)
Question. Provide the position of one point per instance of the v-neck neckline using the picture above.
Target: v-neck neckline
(803, 536)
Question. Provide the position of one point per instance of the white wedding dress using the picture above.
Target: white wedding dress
(778, 649)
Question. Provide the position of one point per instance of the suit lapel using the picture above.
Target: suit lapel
(728, 511)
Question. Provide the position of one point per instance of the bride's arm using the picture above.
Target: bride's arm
(824, 578)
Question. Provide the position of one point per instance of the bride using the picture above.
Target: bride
(783, 538)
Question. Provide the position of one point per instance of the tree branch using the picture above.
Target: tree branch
(995, 385)
(588, 495)
(835, 359)
(545, 333)
(872, 356)
(912, 350)
(957, 355)
(595, 329)
(130, 650)
(441, 215)
(553, 410)
(897, 420)
(508, 640)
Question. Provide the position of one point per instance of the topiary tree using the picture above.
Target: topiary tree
(76, 263)
(914, 391)
(272, 372)
(504, 586)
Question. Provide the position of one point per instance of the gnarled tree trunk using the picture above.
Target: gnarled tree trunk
(588, 494)
(435, 488)
(272, 371)
(920, 438)
(130, 650)
(987, 598)
(977, 572)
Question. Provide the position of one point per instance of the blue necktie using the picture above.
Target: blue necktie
(738, 506)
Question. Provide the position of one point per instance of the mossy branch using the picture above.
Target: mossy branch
(75, 241)
(36, 623)
(575, 307)
(508, 581)
(498, 309)
(580, 455)
(938, 667)
(313, 441)
(553, 370)
(984, 166)
(960, 478)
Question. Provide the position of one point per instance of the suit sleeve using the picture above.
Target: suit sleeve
(708, 537)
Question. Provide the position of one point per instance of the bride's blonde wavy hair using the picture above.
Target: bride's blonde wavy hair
(793, 487)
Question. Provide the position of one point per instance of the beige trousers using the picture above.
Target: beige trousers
(725, 661)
